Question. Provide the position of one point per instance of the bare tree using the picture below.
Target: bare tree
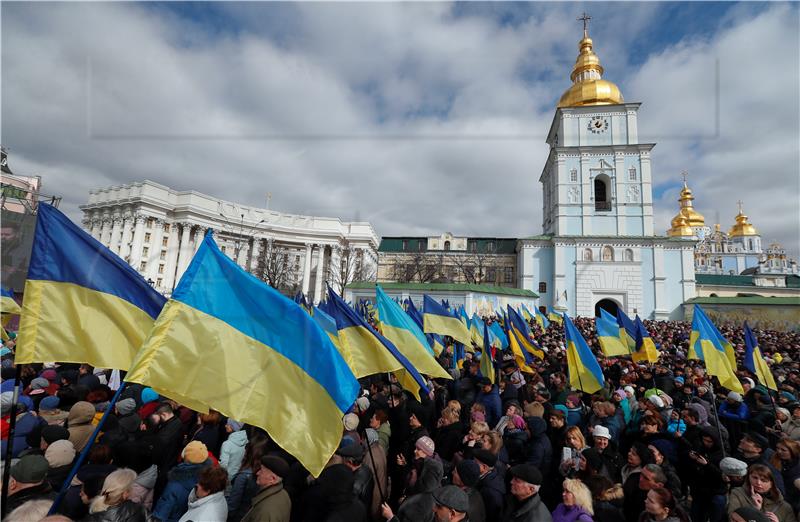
(420, 268)
(273, 266)
(478, 268)
(352, 267)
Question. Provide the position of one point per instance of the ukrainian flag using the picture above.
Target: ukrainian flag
(754, 361)
(328, 325)
(487, 367)
(730, 353)
(371, 352)
(434, 340)
(227, 341)
(476, 330)
(499, 334)
(584, 371)
(520, 328)
(8, 305)
(704, 344)
(436, 319)
(554, 317)
(82, 303)
(627, 330)
(608, 335)
(525, 312)
(540, 318)
(401, 330)
(645, 347)
(523, 359)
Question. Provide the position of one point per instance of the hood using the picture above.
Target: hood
(431, 477)
(81, 413)
(147, 478)
(711, 432)
(701, 412)
(195, 502)
(336, 483)
(238, 438)
(184, 472)
(537, 426)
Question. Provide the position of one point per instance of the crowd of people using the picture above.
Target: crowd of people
(661, 442)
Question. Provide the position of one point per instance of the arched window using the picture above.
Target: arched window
(602, 200)
(447, 245)
(608, 253)
(628, 254)
(587, 254)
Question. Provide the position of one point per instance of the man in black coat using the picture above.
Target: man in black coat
(490, 485)
(363, 482)
(524, 503)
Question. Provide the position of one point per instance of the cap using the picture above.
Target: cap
(353, 451)
(49, 403)
(733, 467)
(126, 406)
(276, 465)
(679, 379)
(452, 497)
(601, 431)
(30, 469)
(485, 456)
(469, 472)
(757, 439)
(735, 396)
(350, 422)
(53, 432)
(528, 473)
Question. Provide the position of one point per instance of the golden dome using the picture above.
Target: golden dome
(680, 227)
(742, 227)
(589, 88)
(693, 217)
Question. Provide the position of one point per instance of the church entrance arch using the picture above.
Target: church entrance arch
(609, 305)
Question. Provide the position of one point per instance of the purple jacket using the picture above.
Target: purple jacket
(564, 513)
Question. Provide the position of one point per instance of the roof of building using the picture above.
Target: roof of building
(749, 300)
(502, 245)
(447, 287)
(724, 280)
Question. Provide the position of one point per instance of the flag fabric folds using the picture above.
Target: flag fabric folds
(627, 330)
(487, 366)
(82, 303)
(540, 318)
(704, 344)
(754, 361)
(227, 341)
(499, 334)
(522, 358)
(555, 317)
(436, 319)
(609, 336)
(8, 305)
(584, 370)
(520, 328)
(645, 347)
(434, 340)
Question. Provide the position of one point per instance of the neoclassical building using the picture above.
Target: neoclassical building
(157, 230)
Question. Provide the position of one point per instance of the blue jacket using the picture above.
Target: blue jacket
(26, 423)
(736, 412)
(243, 489)
(494, 406)
(174, 501)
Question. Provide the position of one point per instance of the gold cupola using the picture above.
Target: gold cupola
(687, 215)
(742, 227)
(680, 227)
(589, 87)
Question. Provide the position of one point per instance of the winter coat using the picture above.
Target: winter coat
(740, 497)
(211, 508)
(792, 429)
(575, 513)
(243, 489)
(272, 504)
(363, 485)
(540, 453)
(342, 505)
(532, 509)
(57, 476)
(419, 507)
(168, 443)
(79, 421)
(174, 500)
(126, 512)
(142, 489)
(41, 492)
(232, 452)
(492, 488)
(27, 423)
(491, 401)
(375, 458)
(739, 412)
(209, 435)
(448, 440)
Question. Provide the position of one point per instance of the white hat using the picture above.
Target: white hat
(734, 396)
(657, 401)
(601, 431)
(749, 381)
(350, 422)
(629, 389)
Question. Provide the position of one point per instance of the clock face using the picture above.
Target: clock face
(597, 125)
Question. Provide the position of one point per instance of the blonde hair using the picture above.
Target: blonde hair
(574, 430)
(496, 442)
(115, 490)
(30, 510)
(451, 415)
(583, 497)
(479, 428)
(455, 405)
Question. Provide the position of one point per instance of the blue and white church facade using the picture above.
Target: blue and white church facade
(598, 247)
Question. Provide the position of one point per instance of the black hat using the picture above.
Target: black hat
(276, 465)
(469, 472)
(485, 456)
(52, 433)
(452, 497)
(485, 381)
(758, 439)
(353, 451)
(527, 472)
(30, 469)
(593, 459)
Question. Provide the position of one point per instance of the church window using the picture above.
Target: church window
(147, 237)
(632, 174)
(490, 246)
(447, 245)
(142, 266)
(628, 254)
(587, 254)
(164, 241)
(608, 253)
(508, 275)
(602, 201)
(542, 287)
(573, 175)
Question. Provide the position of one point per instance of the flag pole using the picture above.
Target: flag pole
(74, 471)
(12, 423)
(372, 459)
(716, 416)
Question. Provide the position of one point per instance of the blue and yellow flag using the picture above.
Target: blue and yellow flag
(584, 371)
(487, 366)
(520, 328)
(645, 347)
(370, 352)
(555, 317)
(627, 330)
(8, 305)
(497, 330)
(328, 325)
(82, 303)
(227, 341)
(434, 340)
(754, 361)
(476, 330)
(609, 337)
(522, 357)
(704, 344)
(539, 317)
(436, 319)
(526, 314)
(730, 353)
(401, 330)
(300, 299)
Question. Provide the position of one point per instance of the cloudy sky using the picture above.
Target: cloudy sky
(419, 117)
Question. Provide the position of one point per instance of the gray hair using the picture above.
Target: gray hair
(658, 473)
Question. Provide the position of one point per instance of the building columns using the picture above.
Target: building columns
(172, 257)
(199, 236)
(320, 273)
(116, 230)
(125, 240)
(255, 251)
(138, 238)
(105, 232)
(307, 270)
(97, 224)
(184, 251)
(154, 256)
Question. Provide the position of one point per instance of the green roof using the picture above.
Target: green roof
(502, 245)
(724, 280)
(447, 287)
(784, 301)
(793, 281)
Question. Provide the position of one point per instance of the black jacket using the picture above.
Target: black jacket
(492, 489)
(126, 512)
(41, 492)
(532, 509)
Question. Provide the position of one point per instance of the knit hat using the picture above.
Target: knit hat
(6, 399)
(195, 452)
(425, 444)
(666, 448)
(477, 416)
(49, 403)
(733, 467)
(749, 381)
(734, 396)
(534, 409)
(39, 383)
(30, 469)
(52, 432)
(680, 380)
(518, 422)
(372, 436)
(621, 394)
(235, 425)
(50, 375)
(469, 472)
(485, 456)
(350, 422)
(562, 408)
(149, 395)
(788, 396)
(629, 389)
(601, 431)
(757, 439)
(60, 453)
(126, 406)
(783, 411)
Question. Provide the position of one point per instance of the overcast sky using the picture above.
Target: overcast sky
(418, 117)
